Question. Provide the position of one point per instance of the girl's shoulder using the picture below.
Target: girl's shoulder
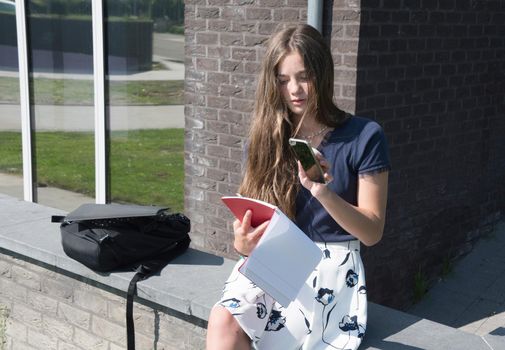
(360, 143)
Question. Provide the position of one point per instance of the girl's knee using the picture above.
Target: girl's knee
(221, 318)
(224, 332)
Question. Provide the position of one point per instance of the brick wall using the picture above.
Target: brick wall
(224, 45)
(434, 77)
(431, 72)
(42, 308)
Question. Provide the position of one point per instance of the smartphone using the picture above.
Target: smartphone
(308, 159)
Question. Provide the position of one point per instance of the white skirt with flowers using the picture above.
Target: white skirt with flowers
(330, 311)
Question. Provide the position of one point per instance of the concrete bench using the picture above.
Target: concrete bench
(183, 293)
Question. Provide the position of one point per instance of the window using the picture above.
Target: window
(144, 53)
(11, 166)
(61, 84)
(145, 81)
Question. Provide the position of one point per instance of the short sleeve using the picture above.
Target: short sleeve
(372, 151)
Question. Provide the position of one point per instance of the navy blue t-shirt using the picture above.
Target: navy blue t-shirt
(357, 147)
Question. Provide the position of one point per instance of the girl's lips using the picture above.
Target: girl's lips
(297, 101)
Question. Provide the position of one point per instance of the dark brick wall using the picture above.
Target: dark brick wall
(431, 72)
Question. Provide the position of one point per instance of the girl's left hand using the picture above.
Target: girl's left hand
(315, 188)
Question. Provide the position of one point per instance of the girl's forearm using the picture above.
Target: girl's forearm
(359, 222)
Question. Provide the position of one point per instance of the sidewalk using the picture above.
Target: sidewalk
(81, 118)
(172, 71)
(472, 297)
(12, 185)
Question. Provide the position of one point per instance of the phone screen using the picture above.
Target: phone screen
(308, 160)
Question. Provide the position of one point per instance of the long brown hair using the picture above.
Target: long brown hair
(271, 172)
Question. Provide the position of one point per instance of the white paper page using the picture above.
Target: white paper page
(287, 257)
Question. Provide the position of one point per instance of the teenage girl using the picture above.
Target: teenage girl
(294, 98)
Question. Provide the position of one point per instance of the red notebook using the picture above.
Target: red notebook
(261, 211)
(284, 257)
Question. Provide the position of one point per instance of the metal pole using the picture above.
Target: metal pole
(315, 14)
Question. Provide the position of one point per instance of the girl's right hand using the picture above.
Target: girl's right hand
(246, 236)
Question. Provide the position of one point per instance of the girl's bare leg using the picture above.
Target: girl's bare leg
(224, 332)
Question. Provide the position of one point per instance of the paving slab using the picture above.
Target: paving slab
(494, 325)
(472, 296)
(390, 329)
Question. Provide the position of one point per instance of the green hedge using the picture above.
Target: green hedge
(128, 39)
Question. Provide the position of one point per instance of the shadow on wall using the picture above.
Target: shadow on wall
(434, 78)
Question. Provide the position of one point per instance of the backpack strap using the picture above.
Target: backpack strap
(130, 328)
(144, 271)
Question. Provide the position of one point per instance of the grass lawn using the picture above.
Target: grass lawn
(80, 92)
(146, 166)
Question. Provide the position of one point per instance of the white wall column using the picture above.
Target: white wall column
(29, 190)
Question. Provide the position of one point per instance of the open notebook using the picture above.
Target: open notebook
(284, 257)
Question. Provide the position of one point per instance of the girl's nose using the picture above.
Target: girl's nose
(294, 87)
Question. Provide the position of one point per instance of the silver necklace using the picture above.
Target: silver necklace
(311, 136)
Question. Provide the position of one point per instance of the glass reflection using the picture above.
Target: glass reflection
(145, 79)
(61, 85)
(11, 166)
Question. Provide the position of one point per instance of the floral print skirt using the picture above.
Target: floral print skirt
(330, 311)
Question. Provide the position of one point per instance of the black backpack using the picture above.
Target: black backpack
(112, 237)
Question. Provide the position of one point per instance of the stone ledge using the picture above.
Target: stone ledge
(190, 284)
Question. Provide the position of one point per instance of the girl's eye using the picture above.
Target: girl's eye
(283, 81)
(303, 78)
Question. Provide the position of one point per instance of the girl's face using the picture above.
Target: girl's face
(293, 83)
